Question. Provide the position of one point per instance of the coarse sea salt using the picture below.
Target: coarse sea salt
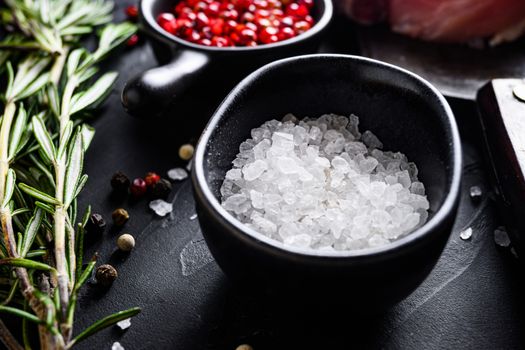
(124, 324)
(177, 174)
(161, 207)
(117, 346)
(318, 183)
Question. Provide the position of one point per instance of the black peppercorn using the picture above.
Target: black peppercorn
(96, 224)
(161, 189)
(120, 216)
(106, 274)
(120, 182)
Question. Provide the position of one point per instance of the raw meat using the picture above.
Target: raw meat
(444, 20)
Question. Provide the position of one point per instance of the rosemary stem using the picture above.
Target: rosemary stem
(60, 217)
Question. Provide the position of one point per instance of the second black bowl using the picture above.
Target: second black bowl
(403, 110)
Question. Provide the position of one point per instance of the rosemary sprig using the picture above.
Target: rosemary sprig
(51, 83)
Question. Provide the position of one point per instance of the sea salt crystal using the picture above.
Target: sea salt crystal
(177, 174)
(466, 234)
(116, 346)
(161, 207)
(124, 324)
(193, 217)
(476, 194)
(321, 184)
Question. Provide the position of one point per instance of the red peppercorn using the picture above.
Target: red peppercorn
(132, 12)
(286, 33)
(287, 21)
(278, 13)
(248, 17)
(202, 20)
(133, 40)
(200, 7)
(225, 23)
(263, 22)
(179, 8)
(294, 9)
(217, 26)
(251, 26)
(138, 187)
(307, 3)
(268, 35)
(309, 19)
(151, 179)
(167, 22)
(261, 4)
(230, 14)
(219, 41)
(230, 26)
(276, 4)
(301, 27)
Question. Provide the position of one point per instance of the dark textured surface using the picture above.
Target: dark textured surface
(457, 70)
(472, 299)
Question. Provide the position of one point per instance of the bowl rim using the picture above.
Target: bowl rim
(147, 17)
(204, 192)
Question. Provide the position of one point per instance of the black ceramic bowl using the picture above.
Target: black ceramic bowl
(403, 110)
(191, 69)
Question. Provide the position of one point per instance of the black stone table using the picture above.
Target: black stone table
(471, 300)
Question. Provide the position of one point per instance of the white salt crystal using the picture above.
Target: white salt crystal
(193, 217)
(116, 346)
(177, 174)
(124, 324)
(466, 234)
(253, 170)
(161, 207)
(371, 140)
(320, 184)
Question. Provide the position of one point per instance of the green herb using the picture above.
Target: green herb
(52, 83)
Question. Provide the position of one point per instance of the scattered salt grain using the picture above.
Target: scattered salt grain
(161, 207)
(501, 237)
(466, 234)
(193, 217)
(124, 324)
(475, 193)
(321, 184)
(116, 346)
(188, 166)
(177, 174)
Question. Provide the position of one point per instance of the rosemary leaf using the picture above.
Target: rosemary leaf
(17, 312)
(105, 322)
(33, 192)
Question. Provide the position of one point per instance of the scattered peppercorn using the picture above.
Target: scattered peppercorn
(138, 188)
(237, 22)
(120, 182)
(186, 151)
(161, 189)
(96, 224)
(106, 275)
(126, 242)
(133, 40)
(244, 347)
(120, 216)
(132, 12)
(151, 179)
